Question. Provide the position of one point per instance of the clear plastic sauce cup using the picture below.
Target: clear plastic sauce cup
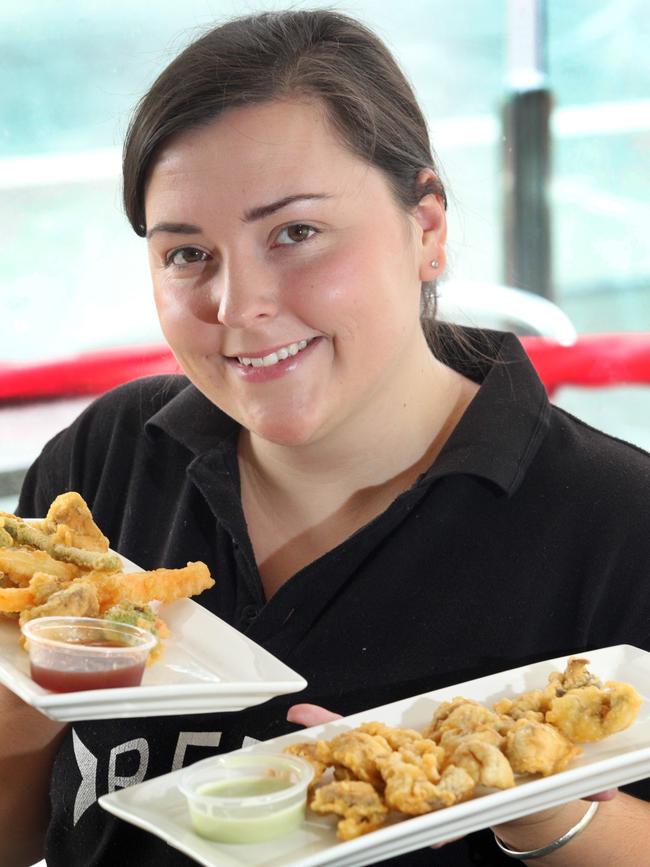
(68, 654)
(247, 797)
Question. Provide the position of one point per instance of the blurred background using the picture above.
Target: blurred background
(74, 276)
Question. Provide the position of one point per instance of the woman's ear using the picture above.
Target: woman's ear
(431, 218)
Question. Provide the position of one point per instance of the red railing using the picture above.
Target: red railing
(593, 360)
(85, 374)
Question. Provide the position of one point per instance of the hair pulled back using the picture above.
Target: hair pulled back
(319, 54)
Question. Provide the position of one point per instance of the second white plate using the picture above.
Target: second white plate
(157, 805)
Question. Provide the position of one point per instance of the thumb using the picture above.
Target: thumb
(310, 715)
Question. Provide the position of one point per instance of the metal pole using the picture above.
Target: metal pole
(527, 151)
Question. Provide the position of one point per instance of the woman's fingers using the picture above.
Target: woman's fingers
(607, 795)
(444, 843)
(310, 715)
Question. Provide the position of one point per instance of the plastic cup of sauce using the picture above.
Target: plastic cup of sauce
(246, 797)
(67, 654)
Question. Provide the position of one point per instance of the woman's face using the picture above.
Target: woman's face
(286, 277)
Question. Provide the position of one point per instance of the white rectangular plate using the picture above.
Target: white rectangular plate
(206, 666)
(158, 807)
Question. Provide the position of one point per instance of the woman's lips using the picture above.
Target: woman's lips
(265, 367)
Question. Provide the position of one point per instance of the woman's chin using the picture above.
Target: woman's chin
(284, 431)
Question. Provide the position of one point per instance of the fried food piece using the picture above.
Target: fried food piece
(24, 534)
(164, 585)
(590, 713)
(484, 762)
(410, 790)
(574, 676)
(307, 750)
(532, 747)
(452, 738)
(358, 752)
(70, 522)
(536, 703)
(143, 617)
(14, 599)
(529, 705)
(395, 737)
(357, 802)
(21, 563)
(462, 714)
(77, 600)
(42, 585)
(5, 538)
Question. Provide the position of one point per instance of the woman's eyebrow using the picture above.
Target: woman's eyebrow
(261, 211)
(175, 229)
(250, 216)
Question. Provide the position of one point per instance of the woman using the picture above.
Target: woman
(385, 518)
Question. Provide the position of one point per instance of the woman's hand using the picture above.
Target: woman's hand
(607, 795)
(541, 828)
(310, 715)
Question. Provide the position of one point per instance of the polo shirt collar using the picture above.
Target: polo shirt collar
(496, 438)
(503, 427)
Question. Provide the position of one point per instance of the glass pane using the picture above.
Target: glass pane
(76, 274)
(601, 188)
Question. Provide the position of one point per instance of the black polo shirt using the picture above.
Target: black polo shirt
(527, 538)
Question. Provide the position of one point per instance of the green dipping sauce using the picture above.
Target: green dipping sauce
(245, 787)
(239, 824)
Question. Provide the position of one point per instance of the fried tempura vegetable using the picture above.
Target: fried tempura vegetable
(42, 585)
(590, 713)
(77, 600)
(21, 563)
(135, 615)
(357, 802)
(143, 617)
(532, 747)
(164, 585)
(62, 565)
(70, 522)
(24, 534)
(14, 599)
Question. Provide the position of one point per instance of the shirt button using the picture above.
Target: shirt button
(249, 613)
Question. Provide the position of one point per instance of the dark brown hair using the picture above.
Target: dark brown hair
(319, 54)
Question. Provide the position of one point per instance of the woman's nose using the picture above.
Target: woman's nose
(244, 296)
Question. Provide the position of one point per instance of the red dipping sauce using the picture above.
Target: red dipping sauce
(72, 681)
(71, 654)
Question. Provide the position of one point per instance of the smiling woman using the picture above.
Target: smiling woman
(267, 272)
(388, 508)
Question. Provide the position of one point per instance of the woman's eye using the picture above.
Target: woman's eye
(186, 256)
(294, 234)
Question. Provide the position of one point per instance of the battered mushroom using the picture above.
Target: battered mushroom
(357, 802)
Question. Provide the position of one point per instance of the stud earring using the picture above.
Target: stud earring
(435, 264)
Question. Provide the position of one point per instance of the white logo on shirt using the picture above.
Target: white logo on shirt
(87, 763)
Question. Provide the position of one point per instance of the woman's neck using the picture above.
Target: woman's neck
(301, 502)
(390, 445)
